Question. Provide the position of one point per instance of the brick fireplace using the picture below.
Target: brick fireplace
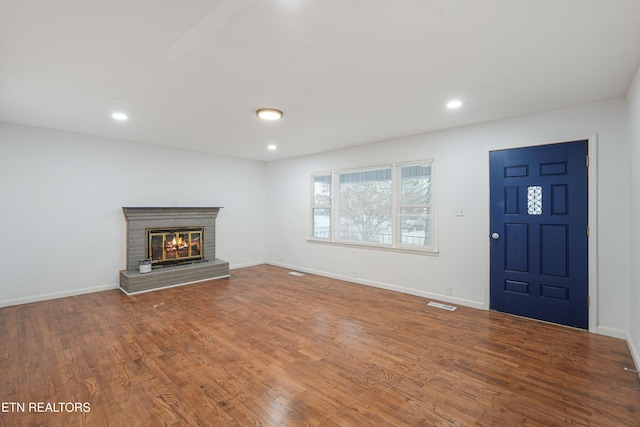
(180, 266)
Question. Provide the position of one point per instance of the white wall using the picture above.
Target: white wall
(461, 180)
(62, 193)
(61, 198)
(633, 98)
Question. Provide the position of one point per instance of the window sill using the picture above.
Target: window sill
(424, 252)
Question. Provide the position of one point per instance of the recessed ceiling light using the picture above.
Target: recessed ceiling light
(121, 117)
(269, 114)
(452, 105)
(271, 147)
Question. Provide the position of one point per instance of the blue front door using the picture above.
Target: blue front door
(539, 258)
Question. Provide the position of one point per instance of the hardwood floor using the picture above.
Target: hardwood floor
(267, 348)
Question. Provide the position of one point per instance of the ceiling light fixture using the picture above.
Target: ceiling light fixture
(269, 114)
(452, 105)
(271, 147)
(121, 117)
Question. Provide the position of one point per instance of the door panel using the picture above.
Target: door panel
(554, 248)
(517, 240)
(539, 232)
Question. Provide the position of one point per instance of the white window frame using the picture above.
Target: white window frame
(315, 206)
(396, 242)
(399, 205)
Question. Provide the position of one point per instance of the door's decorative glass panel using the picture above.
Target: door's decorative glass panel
(534, 200)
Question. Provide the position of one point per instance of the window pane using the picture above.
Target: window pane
(322, 190)
(365, 206)
(415, 184)
(534, 200)
(322, 223)
(415, 226)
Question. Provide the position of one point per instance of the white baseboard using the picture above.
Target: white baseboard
(612, 332)
(635, 353)
(75, 292)
(56, 295)
(387, 286)
(248, 264)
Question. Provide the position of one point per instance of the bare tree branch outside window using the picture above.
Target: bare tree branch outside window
(365, 206)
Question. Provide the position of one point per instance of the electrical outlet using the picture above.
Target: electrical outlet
(449, 291)
(459, 211)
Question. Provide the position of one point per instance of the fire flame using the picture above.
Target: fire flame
(179, 242)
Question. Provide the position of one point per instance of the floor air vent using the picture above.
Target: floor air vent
(442, 306)
(295, 273)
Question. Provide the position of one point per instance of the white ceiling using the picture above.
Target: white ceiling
(191, 73)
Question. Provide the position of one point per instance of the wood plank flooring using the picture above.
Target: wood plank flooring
(265, 348)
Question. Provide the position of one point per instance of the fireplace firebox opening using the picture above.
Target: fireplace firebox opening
(175, 246)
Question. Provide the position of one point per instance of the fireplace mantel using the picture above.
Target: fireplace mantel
(161, 213)
(140, 219)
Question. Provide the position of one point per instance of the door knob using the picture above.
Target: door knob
(495, 236)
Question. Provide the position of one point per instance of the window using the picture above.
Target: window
(415, 205)
(322, 206)
(388, 206)
(364, 206)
